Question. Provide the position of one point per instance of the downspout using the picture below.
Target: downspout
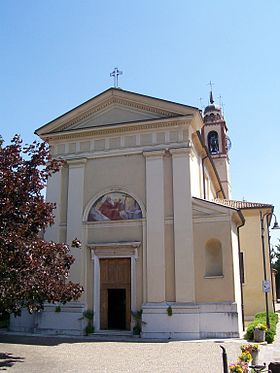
(241, 284)
(219, 191)
(203, 177)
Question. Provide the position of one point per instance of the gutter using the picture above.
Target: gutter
(241, 284)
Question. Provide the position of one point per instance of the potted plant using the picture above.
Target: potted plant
(259, 332)
(239, 367)
(253, 349)
(245, 357)
(89, 329)
(138, 322)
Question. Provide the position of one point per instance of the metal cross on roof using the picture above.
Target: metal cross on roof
(211, 92)
(115, 73)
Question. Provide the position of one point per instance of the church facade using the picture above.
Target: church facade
(145, 188)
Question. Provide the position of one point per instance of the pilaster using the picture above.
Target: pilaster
(54, 196)
(74, 215)
(183, 226)
(155, 226)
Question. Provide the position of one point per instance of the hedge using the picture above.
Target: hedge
(261, 318)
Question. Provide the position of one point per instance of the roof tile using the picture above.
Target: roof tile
(241, 204)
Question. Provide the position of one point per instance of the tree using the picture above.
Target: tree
(32, 270)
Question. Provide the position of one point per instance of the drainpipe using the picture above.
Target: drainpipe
(203, 177)
(225, 362)
(217, 193)
(241, 285)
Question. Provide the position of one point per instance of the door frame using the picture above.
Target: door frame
(112, 250)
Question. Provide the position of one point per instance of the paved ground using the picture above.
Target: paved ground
(52, 355)
(64, 355)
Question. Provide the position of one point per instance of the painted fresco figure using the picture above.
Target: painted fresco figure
(122, 207)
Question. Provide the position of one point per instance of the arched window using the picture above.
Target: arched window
(115, 206)
(213, 258)
(213, 142)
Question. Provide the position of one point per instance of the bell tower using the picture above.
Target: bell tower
(214, 133)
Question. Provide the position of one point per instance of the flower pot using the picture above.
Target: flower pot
(259, 335)
(255, 356)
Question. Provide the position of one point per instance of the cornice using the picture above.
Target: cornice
(115, 129)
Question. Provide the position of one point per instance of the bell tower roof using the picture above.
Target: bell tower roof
(212, 112)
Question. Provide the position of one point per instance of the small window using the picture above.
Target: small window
(213, 142)
(213, 258)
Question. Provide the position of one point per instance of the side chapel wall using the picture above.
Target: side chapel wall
(213, 288)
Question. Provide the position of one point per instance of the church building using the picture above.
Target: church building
(146, 189)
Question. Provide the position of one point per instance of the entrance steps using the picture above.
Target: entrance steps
(113, 335)
(125, 333)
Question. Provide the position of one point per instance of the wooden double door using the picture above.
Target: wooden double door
(115, 293)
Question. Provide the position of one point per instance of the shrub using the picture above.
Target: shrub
(260, 318)
(89, 329)
(137, 316)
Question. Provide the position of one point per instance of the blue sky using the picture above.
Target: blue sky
(58, 53)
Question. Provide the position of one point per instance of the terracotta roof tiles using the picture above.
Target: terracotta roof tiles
(241, 204)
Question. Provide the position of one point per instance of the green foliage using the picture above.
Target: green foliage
(89, 329)
(137, 316)
(57, 309)
(261, 326)
(245, 356)
(137, 329)
(169, 311)
(88, 314)
(32, 271)
(260, 318)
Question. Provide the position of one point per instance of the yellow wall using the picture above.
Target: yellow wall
(216, 288)
(250, 245)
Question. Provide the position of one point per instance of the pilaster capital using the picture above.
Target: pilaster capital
(180, 151)
(79, 162)
(154, 153)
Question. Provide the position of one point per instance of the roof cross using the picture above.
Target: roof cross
(211, 92)
(115, 73)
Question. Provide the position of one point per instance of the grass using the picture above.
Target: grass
(261, 318)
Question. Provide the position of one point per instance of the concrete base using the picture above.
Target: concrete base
(190, 321)
(69, 321)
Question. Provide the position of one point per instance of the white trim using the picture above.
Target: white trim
(112, 250)
(115, 223)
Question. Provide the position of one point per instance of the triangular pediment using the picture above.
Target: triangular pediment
(203, 209)
(114, 113)
(115, 106)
